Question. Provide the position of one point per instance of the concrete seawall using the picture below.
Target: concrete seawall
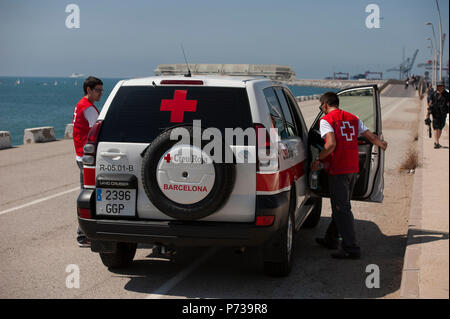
(307, 97)
(69, 131)
(5, 139)
(338, 84)
(35, 135)
(39, 135)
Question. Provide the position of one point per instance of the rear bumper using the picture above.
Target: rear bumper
(186, 233)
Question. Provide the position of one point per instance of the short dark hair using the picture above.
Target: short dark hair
(91, 82)
(330, 98)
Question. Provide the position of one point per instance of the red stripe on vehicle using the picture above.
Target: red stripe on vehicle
(89, 176)
(279, 180)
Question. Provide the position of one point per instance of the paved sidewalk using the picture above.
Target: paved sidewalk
(426, 265)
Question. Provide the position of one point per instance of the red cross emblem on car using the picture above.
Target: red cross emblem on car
(178, 106)
(167, 158)
(348, 131)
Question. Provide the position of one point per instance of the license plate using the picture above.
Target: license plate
(116, 202)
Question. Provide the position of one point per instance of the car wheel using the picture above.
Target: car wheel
(314, 217)
(123, 257)
(283, 267)
(185, 187)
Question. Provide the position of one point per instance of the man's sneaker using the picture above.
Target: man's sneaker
(324, 243)
(437, 145)
(342, 254)
(84, 242)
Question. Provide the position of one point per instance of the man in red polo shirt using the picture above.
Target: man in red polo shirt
(340, 160)
(84, 118)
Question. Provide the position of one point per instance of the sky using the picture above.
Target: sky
(123, 39)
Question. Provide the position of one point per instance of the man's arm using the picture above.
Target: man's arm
(374, 139)
(91, 115)
(329, 147)
(430, 103)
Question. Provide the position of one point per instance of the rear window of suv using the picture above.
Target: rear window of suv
(134, 115)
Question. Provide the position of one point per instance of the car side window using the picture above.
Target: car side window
(275, 112)
(290, 124)
(359, 102)
(295, 111)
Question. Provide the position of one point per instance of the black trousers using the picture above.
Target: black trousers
(342, 220)
(80, 166)
(80, 234)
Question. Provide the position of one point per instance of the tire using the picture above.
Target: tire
(314, 217)
(224, 177)
(283, 267)
(122, 258)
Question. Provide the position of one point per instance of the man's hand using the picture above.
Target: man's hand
(374, 139)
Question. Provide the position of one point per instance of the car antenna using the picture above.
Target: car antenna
(188, 75)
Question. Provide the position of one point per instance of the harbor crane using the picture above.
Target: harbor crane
(406, 66)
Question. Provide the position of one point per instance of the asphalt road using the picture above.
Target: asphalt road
(398, 91)
(39, 254)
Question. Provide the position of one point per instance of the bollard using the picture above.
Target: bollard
(39, 135)
(5, 139)
(69, 131)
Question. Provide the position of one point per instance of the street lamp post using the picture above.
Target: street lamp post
(440, 42)
(435, 47)
(433, 68)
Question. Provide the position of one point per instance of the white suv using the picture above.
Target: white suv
(154, 175)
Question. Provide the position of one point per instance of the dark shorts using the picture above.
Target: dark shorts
(439, 121)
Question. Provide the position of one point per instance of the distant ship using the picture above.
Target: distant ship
(76, 75)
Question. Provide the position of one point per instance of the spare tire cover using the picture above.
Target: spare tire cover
(182, 181)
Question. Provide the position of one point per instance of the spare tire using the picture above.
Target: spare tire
(182, 181)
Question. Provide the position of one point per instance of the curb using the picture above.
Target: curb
(409, 288)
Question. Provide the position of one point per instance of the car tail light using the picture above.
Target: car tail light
(90, 149)
(262, 143)
(182, 82)
(84, 213)
(264, 220)
(93, 133)
(90, 153)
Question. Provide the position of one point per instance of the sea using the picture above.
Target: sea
(29, 102)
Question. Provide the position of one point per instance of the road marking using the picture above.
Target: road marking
(394, 107)
(164, 289)
(38, 201)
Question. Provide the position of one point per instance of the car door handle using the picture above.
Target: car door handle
(112, 154)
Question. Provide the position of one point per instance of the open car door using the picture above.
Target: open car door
(364, 102)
